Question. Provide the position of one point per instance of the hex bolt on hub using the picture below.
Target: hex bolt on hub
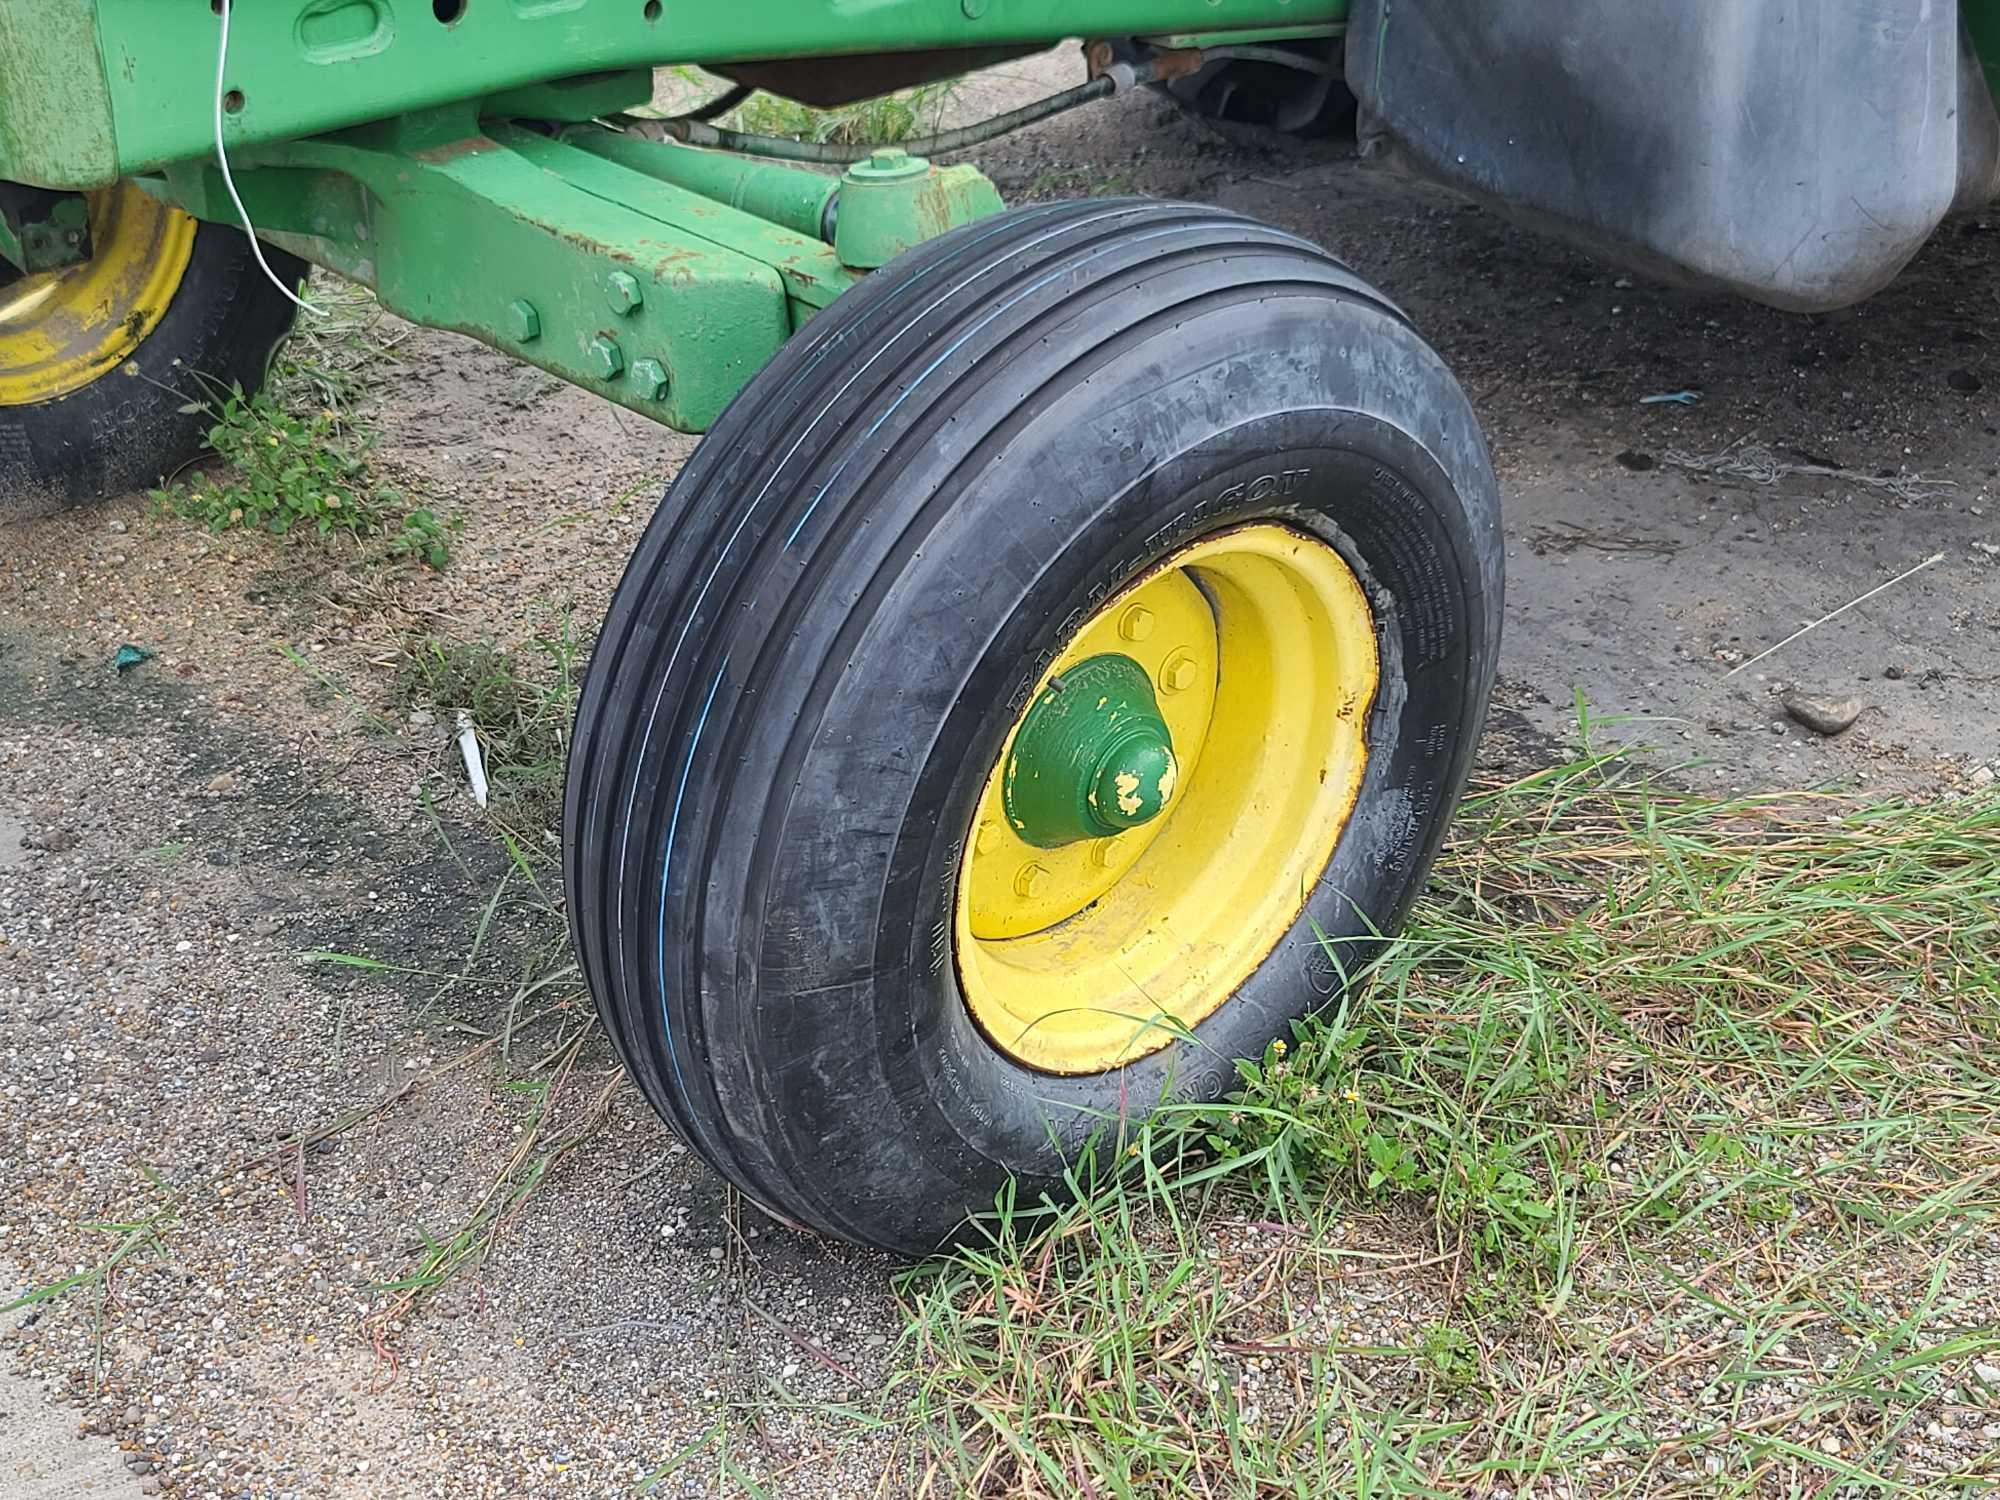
(1179, 673)
(523, 322)
(1136, 623)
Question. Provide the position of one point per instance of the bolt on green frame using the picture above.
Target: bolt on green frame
(452, 158)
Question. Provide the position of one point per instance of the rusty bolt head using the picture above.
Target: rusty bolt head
(649, 379)
(1031, 881)
(622, 287)
(606, 358)
(1179, 673)
(523, 322)
(1136, 623)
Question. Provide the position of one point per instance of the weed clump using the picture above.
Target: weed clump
(301, 472)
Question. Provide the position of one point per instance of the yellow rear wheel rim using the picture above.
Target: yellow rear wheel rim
(61, 330)
(1261, 648)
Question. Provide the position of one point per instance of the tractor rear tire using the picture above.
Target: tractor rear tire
(1152, 430)
(105, 368)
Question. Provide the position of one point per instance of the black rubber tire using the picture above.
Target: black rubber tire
(824, 636)
(126, 430)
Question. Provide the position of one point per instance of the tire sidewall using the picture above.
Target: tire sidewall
(1359, 479)
(1364, 890)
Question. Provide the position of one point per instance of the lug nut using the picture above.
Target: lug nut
(1031, 881)
(1179, 673)
(1136, 623)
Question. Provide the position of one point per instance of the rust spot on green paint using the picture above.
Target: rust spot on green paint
(471, 145)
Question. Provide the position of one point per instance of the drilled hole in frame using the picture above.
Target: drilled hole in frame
(447, 11)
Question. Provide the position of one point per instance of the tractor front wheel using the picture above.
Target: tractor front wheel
(104, 365)
(1048, 680)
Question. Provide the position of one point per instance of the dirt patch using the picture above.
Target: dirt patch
(257, 793)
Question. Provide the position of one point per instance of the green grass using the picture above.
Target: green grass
(1659, 1155)
(521, 701)
(330, 362)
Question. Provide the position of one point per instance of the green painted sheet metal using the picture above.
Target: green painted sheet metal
(1255, 34)
(1982, 21)
(309, 66)
(55, 100)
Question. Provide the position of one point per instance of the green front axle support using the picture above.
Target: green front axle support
(622, 265)
(448, 153)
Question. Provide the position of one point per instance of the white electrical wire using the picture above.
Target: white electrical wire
(222, 160)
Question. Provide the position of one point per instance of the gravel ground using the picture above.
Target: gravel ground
(173, 840)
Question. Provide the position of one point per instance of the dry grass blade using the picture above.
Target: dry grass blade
(1750, 463)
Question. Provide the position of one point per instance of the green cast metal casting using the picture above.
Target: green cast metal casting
(895, 201)
(94, 89)
(1092, 758)
(583, 253)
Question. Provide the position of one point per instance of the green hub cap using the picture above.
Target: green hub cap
(1092, 758)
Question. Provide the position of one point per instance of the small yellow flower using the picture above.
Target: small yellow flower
(1279, 1047)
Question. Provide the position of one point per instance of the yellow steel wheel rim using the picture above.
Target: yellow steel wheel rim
(1261, 648)
(60, 330)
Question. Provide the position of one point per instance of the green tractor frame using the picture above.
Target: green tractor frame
(1056, 668)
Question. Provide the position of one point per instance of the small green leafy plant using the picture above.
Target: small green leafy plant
(291, 472)
(423, 538)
